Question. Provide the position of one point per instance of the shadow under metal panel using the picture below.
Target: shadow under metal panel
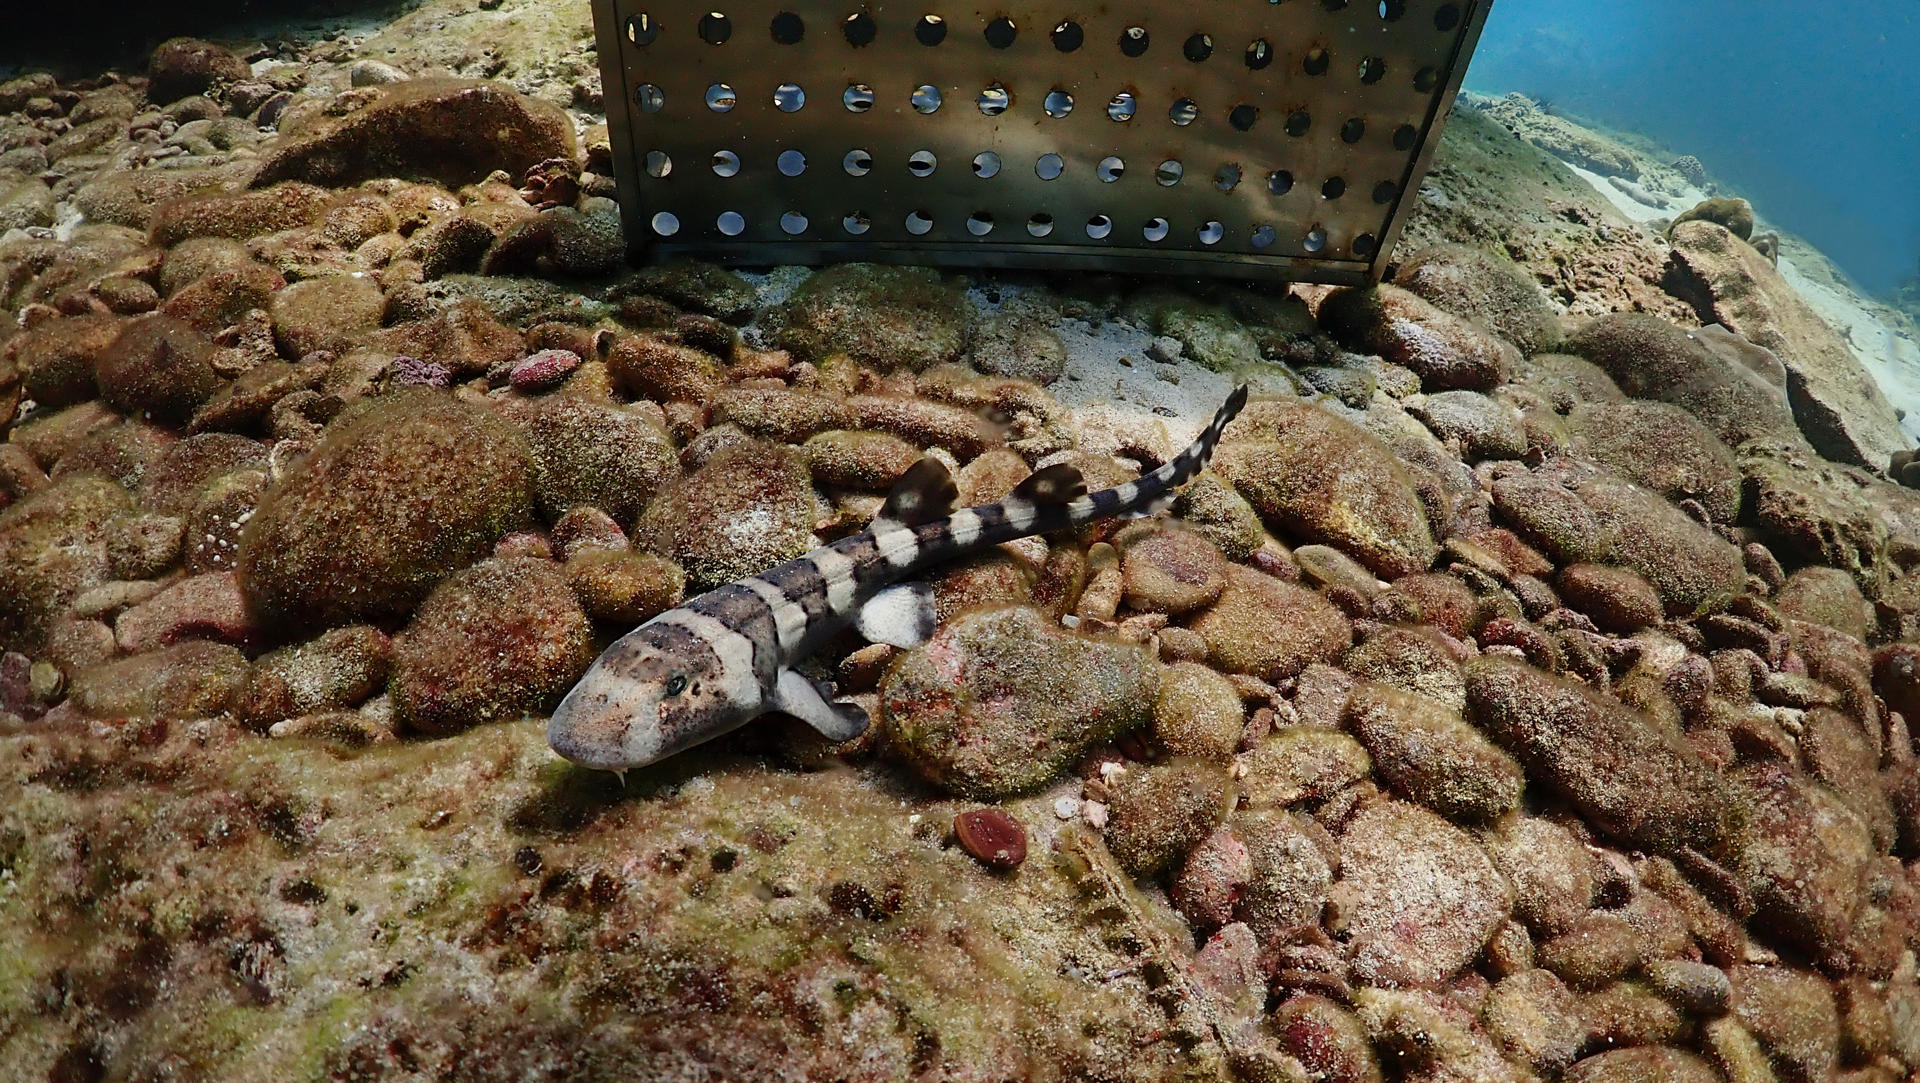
(1249, 138)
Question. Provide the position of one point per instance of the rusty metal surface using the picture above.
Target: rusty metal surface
(1276, 139)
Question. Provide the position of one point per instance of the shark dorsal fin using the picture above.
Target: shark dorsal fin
(924, 493)
(1056, 484)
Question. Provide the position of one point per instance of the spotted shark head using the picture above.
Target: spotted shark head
(659, 690)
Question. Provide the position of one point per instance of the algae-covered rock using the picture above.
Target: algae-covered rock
(1445, 351)
(454, 131)
(1166, 569)
(1321, 478)
(1484, 286)
(53, 547)
(597, 454)
(415, 486)
(159, 366)
(501, 639)
(887, 317)
(749, 507)
(57, 360)
(1210, 335)
(1419, 897)
(1803, 857)
(998, 702)
(1197, 713)
(339, 670)
(187, 680)
(1422, 748)
(1270, 629)
(1650, 358)
(1664, 448)
(1160, 811)
(623, 587)
(1625, 772)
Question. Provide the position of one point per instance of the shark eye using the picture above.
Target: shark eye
(676, 684)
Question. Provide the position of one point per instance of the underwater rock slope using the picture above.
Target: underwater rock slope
(1524, 695)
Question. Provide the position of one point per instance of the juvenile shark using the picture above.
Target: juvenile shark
(726, 657)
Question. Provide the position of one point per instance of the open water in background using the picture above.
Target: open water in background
(1812, 111)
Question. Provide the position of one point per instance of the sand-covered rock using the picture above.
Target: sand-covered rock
(998, 702)
(414, 487)
(338, 670)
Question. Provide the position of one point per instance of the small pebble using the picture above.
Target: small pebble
(993, 837)
(543, 370)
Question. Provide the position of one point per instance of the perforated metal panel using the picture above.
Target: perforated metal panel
(1258, 138)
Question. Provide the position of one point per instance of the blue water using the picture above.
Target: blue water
(1812, 111)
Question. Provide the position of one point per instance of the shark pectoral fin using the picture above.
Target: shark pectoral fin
(1056, 484)
(901, 615)
(800, 698)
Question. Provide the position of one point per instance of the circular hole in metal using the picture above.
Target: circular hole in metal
(1068, 36)
(1121, 107)
(658, 163)
(1133, 41)
(1372, 70)
(1363, 245)
(919, 222)
(641, 30)
(665, 223)
(1316, 62)
(1262, 237)
(793, 223)
(859, 29)
(1168, 173)
(1040, 224)
(1404, 137)
(1392, 10)
(858, 163)
(980, 223)
(649, 98)
(1316, 239)
(1184, 112)
(1001, 32)
(921, 163)
(1156, 229)
(856, 223)
(730, 223)
(1426, 79)
(1227, 177)
(1059, 103)
(994, 100)
(1197, 47)
(930, 30)
(1259, 54)
(720, 98)
(1353, 130)
(1446, 17)
(1334, 188)
(1211, 232)
(725, 163)
(986, 164)
(858, 98)
(787, 28)
(1279, 182)
(1385, 192)
(1242, 117)
(715, 28)
(1099, 226)
(792, 163)
(1049, 166)
(788, 97)
(926, 99)
(1298, 122)
(1110, 169)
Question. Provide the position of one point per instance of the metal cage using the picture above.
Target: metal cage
(1278, 139)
